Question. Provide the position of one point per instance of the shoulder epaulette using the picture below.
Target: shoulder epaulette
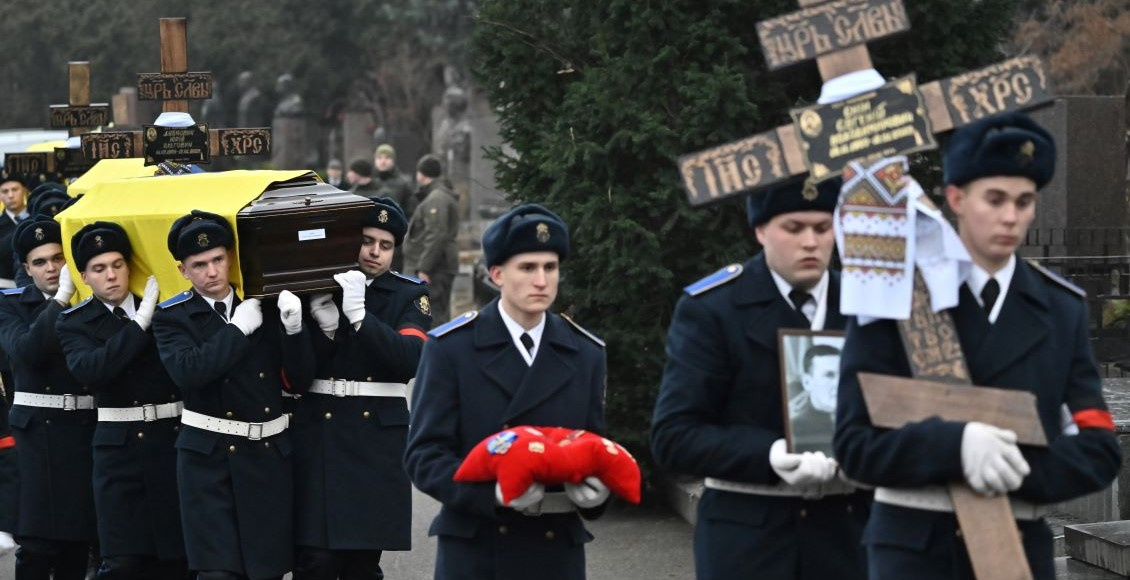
(715, 280)
(583, 330)
(412, 279)
(79, 305)
(452, 325)
(12, 291)
(183, 296)
(1059, 280)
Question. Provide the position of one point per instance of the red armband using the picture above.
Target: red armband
(7, 442)
(1093, 419)
(410, 331)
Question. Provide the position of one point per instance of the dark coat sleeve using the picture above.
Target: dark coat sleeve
(688, 435)
(93, 361)
(190, 363)
(34, 344)
(399, 351)
(917, 454)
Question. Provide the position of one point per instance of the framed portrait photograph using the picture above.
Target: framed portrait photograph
(810, 379)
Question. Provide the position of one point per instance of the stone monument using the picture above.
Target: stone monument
(252, 108)
(289, 126)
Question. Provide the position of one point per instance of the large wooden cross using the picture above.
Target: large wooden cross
(174, 86)
(898, 119)
(78, 116)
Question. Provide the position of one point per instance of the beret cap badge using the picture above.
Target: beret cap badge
(1027, 153)
(383, 216)
(810, 191)
(39, 235)
(202, 240)
(542, 232)
(98, 241)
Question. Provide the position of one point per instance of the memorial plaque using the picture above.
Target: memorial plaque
(1014, 84)
(72, 162)
(66, 116)
(828, 28)
(115, 145)
(28, 163)
(180, 144)
(738, 166)
(174, 86)
(890, 120)
(256, 141)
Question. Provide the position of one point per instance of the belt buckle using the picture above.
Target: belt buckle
(70, 402)
(812, 492)
(339, 387)
(149, 413)
(254, 431)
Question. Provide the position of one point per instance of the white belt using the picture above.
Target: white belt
(343, 388)
(252, 431)
(937, 499)
(64, 402)
(555, 502)
(145, 413)
(809, 491)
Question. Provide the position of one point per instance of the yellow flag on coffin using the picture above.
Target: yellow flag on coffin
(147, 207)
(108, 169)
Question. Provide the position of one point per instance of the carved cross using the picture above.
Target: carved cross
(79, 114)
(823, 138)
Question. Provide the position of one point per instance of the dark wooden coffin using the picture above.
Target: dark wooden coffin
(297, 235)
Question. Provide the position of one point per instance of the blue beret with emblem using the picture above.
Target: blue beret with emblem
(1010, 145)
(98, 238)
(48, 202)
(792, 196)
(526, 228)
(199, 231)
(387, 215)
(34, 232)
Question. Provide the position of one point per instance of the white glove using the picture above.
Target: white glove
(7, 543)
(248, 316)
(324, 311)
(529, 498)
(801, 468)
(290, 312)
(352, 296)
(990, 459)
(66, 286)
(144, 314)
(588, 494)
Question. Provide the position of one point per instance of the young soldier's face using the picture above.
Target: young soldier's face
(993, 215)
(13, 196)
(798, 246)
(43, 264)
(384, 162)
(377, 249)
(107, 274)
(208, 272)
(528, 282)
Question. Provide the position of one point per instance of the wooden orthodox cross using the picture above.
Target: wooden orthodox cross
(174, 86)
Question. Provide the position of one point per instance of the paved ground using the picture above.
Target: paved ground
(631, 543)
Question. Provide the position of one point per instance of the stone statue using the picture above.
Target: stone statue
(252, 108)
(212, 111)
(290, 102)
(452, 144)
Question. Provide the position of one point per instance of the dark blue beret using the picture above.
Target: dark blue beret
(48, 202)
(387, 215)
(45, 187)
(1011, 145)
(526, 228)
(792, 196)
(199, 231)
(34, 232)
(99, 238)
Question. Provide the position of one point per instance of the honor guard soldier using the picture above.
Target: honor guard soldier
(765, 513)
(1020, 328)
(231, 363)
(353, 499)
(52, 416)
(515, 363)
(108, 345)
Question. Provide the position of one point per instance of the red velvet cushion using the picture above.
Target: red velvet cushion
(517, 457)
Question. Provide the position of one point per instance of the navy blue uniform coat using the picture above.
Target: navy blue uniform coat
(236, 494)
(1039, 344)
(135, 485)
(719, 410)
(56, 497)
(9, 472)
(472, 383)
(350, 486)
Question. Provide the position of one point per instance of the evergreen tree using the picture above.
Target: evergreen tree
(597, 99)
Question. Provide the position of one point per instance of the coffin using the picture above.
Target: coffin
(297, 235)
(293, 232)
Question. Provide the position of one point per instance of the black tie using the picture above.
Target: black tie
(120, 313)
(528, 342)
(799, 297)
(221, 308)
(989, 295)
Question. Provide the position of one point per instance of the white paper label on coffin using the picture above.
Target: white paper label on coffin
(307, 235)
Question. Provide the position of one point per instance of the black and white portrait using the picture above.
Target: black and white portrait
(810, 377)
